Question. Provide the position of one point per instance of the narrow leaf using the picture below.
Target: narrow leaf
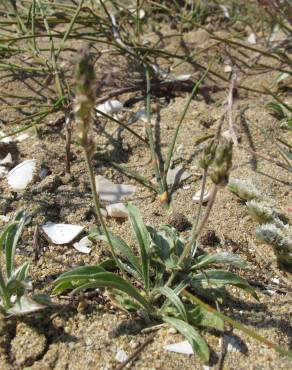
(220, 278)
(174, 299)
(143, 238)
(196, 341)
(223, 257)
(110, 280)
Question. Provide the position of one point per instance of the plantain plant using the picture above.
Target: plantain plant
(145, 288)
(14, 282)
(164, 278)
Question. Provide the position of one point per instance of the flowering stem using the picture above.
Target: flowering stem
(97, 209)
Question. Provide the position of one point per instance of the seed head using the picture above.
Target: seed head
(208, 154)
(263, 213)
(280, 239)
(222, 163)
(85, 97)
(244, 189)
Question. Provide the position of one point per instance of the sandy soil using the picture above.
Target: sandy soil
(86, 332)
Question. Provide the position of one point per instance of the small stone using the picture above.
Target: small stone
(121, 356)
(179, 221)
(117, 210)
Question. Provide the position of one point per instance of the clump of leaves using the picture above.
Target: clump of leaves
(147, 290)
(14, 281)
(272, 229)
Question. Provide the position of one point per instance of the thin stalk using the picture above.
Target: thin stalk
(204, 179)
(197, 232)
(195, 235)
(121, 124)
(34, 43)
(52, 52)
(172, 145)
(97, 209)
(130, 173)
(67, 33)
(155, 160)
(236, 324)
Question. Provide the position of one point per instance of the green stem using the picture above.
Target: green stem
(195, 234)
(237, 325)
(97, 209)
(155, 161)
(172, 145)
(204, 179)
(67, 33)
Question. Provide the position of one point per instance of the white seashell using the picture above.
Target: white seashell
(110, 192)
(117, 210)
(181, 347)
(141, 12)
(182, 77)
(61, 233)
(121, 356)
(176, 175)
(22, 137)
(180, 149)
(21, 175)
(83, 245)
(252, 39)
(140, 115)
(206, 196)
(3, 171)
(227, 68)
(109, 107)
(7, 159)
(4, 218)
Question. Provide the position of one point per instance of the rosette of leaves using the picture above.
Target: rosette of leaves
(14, 280)
(143, 287)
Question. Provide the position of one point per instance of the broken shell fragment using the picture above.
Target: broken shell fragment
(110, 192)
(83, 245)
(206, 196)
(109, 107)
(21, 175)
(7, 160)
(181, 347)
(117, 210)
(61, 233)
(176, 175)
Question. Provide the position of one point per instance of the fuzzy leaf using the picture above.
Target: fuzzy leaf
(106, 280)
(201, 317)
(121, 247)
(196, 341)
(220, 278)
(11, 241)
(80, 275)
(222, 257)
(174, 299)
(143, 238)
